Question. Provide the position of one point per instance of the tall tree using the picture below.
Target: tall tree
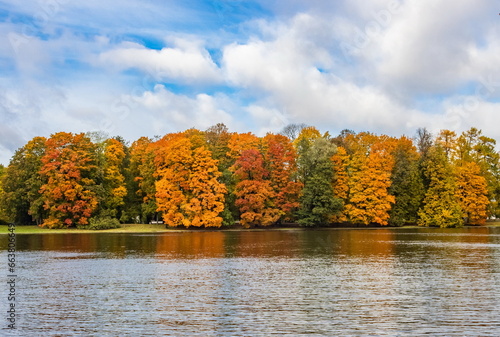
(68, 167)
(281, 160)
(472, 192)
(441, 206)
(340, 162)
(424, 141)
(255, 195)
(3, 214)
(188, 192)
(142, 169)
(407, 186)
(217, 138)
(318, 203)
(21, 183)
(114, 186)
(371, 168)
(474, 147)
(292, 131)
(448, 141)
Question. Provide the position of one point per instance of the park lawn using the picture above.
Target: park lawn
(125, 228)
(148, 228)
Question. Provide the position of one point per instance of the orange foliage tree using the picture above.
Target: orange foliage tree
(371, 165)
(255, 195)
(239, 142)
(188, 192)
(281, 160)
(472, 192)
(68, 167)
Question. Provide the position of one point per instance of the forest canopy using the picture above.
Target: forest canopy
(217, 178)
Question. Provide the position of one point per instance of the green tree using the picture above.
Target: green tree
(474, 147)
(217, 138)
(21, 183)
(441, 206)
(142, 184)
(407, 186)
(113, 181)
(318, 203)
(3, 214)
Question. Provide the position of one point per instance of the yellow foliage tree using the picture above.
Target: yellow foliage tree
(472, 192)
(371, 167)
(188, 192)
(114, 180)
(240, 142)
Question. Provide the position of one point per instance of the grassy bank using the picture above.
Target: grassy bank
(125, 228)
(147, 228)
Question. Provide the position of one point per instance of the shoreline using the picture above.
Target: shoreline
(155, 229)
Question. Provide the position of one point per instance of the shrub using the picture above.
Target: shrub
(100, 223)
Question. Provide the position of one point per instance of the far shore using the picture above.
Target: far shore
(160, 228)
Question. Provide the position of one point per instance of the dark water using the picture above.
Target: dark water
(343, 282)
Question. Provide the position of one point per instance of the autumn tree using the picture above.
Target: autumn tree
(141, 186)
(371, 167)
(441, 206)
(472, 192)
(254, 193)
(281, 160)
(307, 134)
(67, 166)
(188, 192)
(448, 141)
(475, 147)
(21, 183)
(113, 182)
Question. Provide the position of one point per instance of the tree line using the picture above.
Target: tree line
(217, 178)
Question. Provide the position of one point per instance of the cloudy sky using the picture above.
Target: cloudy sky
(148, 67)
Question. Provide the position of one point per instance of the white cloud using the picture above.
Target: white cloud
(285, 70)
(170, 112)
(187, 61)
(425, 64)
(430, 47)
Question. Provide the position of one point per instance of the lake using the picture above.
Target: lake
(334, 282)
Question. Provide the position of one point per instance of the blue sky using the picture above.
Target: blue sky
(144, 68)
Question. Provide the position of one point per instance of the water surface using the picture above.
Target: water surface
(335, 282)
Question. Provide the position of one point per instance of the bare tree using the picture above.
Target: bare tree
(423, 140)
(292, 131)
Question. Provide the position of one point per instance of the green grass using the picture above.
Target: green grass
(125, 228)
(147, 228)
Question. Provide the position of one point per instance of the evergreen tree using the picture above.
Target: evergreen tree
(407, 186)
(317, 203)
